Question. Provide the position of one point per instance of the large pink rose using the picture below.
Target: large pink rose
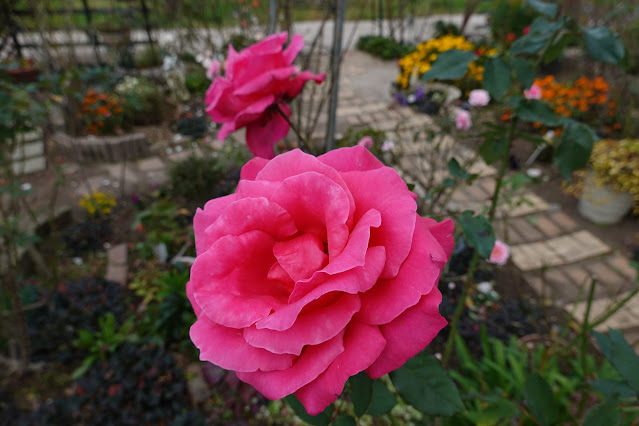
(257, 81)
(314, 270)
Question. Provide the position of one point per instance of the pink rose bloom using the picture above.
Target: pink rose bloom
(478, 98)
(214, 69)
(366, 142)
(258, 80)
(533, 93)
(462, 120)
(315, 269)
(500, 253)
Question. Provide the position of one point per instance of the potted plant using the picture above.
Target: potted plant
(21, 70)
(611, 185)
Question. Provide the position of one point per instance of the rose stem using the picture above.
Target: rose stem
(302, 141)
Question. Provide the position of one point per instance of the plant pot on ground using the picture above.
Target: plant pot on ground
(611, 185)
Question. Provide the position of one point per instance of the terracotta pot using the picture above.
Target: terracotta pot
(602, 204)
(24, 75)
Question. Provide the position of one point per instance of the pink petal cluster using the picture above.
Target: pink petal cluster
(258, 83)
(316, 269)
(366, 142)
(478, 98)
(533, 93)
(213, 70)
(462, 120)
(500, 253)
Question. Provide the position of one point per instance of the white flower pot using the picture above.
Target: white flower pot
(602, 204)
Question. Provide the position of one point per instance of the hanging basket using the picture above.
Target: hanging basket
(602, 204)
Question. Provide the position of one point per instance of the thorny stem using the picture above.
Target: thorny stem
(302, 141)
(475, 259)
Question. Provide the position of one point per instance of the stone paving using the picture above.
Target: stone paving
(556, 258)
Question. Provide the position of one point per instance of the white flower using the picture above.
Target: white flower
(485, 287)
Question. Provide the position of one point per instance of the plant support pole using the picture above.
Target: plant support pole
(272, 16)
(336, 61)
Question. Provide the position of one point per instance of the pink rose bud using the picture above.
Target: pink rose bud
(500, 253)
(478, 98)
(388, 146)
(314, 270)
(366, 142)
(533, 93)
(462, 120)
(259, 82)
(214, 69)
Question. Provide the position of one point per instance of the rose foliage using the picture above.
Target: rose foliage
(314, 270)
(254, 92)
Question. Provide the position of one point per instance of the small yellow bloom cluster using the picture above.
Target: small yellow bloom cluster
(97, 203)
(616, 163)
(418, 62)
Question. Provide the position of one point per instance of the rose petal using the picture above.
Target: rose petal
(384, 190)
(408, 334)
(318, 205)
(353, 255)
(294, 47)
(358, 159)
(443, 233)
(252, 168)
(189, 294)
(296, 162)
(313, 361)
(353, 281)
(248, 214)
(204, 218)
(362, 345)
(263, 80)
(312, 328)
(301, 256)
(418, 275)
(296, 85)
(261, 135)
(230, 280)
(226, 348)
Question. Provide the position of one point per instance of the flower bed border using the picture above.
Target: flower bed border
(126, 147)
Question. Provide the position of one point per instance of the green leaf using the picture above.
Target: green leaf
(383, 399)
(494, 413)
(450, 65)
(540, 400)
(424, 384)
(603, 414)
(492, 150)
(478, 233)
(541, 30)
(603, 44)
(344, 420)
(322, 419)
(557, 48)
(524, 71)
(361, 392)
(613, 387)
(536, 111)
(456, 170)
(621, 355)
(575, 147)
(496, 77)
(548, 9)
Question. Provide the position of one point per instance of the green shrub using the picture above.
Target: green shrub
(143, 103)
(196, 178)
(383, 47)
(149, 57)
(196, 80)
